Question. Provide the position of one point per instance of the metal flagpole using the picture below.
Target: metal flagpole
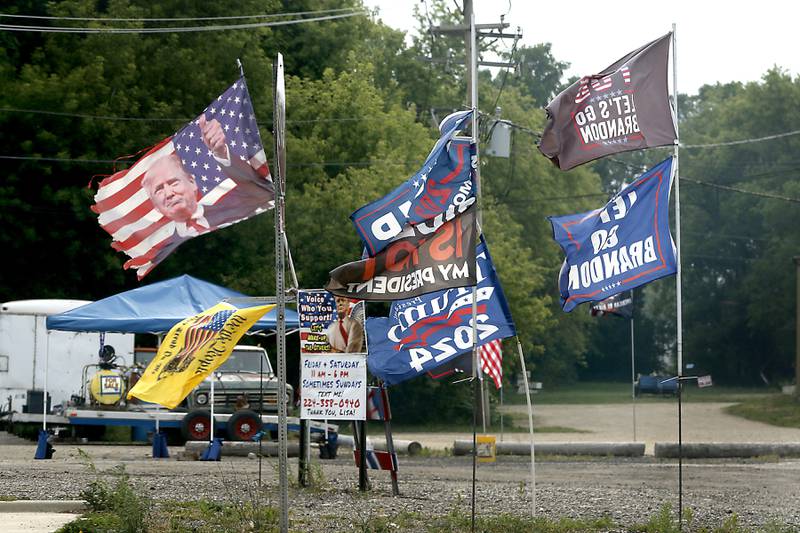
(279, 129)
(211, 399)
(472, 73)
(633, 370)
(530, 426)
(679, 314)
(46, 367)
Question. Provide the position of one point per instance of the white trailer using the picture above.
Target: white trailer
(34, 358)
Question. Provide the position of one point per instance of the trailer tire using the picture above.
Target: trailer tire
(196, 425)
(243, 425)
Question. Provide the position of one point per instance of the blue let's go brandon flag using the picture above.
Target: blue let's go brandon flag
(443, 183)
(425, 332)
(621, 246)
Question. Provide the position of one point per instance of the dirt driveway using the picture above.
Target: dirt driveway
(655, 422)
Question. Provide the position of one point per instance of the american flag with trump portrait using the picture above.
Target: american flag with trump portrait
(211, 174)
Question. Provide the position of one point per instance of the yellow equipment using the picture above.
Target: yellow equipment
(107, 387)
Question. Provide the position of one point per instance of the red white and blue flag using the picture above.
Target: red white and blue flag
(491, 358)
(202, 331)
(422, 333)
(226, 192)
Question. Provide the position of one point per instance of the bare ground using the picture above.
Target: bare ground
(759, 491)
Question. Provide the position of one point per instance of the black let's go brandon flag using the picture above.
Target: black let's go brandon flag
(624, 107)
(620, 305)
(429, 256)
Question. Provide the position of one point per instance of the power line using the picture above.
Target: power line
(178, 19)
(742, 191)
(63, 29)
(294, 165)
(172, 119)
(742, 141)
(97, 117)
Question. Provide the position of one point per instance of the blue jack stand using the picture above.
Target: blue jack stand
(160, 446)
(213, 452)
(44, 450)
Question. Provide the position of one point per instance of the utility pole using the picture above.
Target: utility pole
(472, 38)
(797, 332)
(472, 33)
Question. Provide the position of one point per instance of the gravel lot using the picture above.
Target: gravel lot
(628, 490)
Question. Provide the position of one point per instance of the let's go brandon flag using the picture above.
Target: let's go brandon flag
(210, 174)
(191, 350)
(624, 107)
(620, 305)
(621, 246)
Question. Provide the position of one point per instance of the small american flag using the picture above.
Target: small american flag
(202, 330)
(130, 217)
(491, 356)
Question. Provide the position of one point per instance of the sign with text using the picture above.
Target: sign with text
(333, 368)
(333, 386)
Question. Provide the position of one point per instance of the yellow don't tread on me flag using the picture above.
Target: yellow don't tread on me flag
(191, 350)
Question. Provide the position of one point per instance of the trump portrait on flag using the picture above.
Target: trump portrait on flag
(210, 174)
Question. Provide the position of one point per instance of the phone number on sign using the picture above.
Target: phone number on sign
(352, 403)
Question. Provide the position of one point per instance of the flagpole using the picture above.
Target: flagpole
(279, 124)
(477, 382)
(678, 289)
(530, 426)
(633, 369)
(211, 434)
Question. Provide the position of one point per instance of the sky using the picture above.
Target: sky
(716, 41)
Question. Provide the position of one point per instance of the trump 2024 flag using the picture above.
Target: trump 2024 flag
(624, 107)
(442, 184)
(423, 333)
(621, 246)
(192, 349)
(210, 174)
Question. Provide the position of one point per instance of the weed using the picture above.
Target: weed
(115, 504)
(315, 478)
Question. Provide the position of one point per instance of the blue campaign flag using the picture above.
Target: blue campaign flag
(621, 246)
(425, 332)
(443, 183)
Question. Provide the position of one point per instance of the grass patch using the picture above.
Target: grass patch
(557, 429)
(778, 410)
(620, 392)
(458, 521)
(664, 521)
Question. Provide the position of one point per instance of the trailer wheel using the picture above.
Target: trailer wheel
(243, 425)
(196, 425)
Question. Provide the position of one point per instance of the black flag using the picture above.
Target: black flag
(624, 107)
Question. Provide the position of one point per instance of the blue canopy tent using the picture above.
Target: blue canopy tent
(155, 308)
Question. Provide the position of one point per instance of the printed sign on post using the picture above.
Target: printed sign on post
(333, 362)
(487, 448)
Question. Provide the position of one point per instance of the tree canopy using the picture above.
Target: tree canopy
(362, 106)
